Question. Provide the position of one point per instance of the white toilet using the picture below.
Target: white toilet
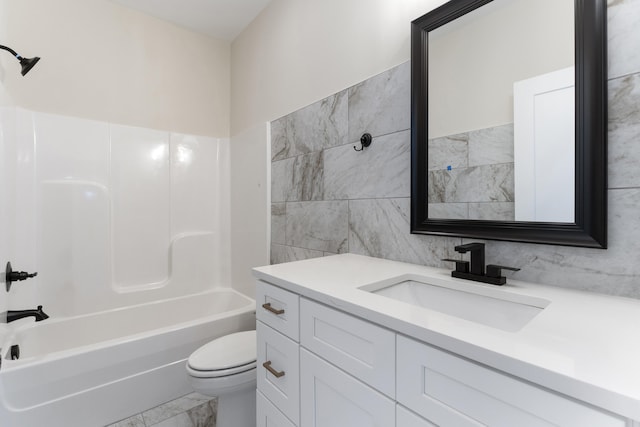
(226, 368)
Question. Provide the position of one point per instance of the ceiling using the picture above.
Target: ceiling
(221, 19)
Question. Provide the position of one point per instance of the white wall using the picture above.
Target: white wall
(106, 62)
(479, 56)
(250, 204)
(295, 53)
(300, 51)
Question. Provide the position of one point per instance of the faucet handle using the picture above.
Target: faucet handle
(461, 265)
(14, 276)
(496, 270)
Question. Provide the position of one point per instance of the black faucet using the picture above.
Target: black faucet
(19, 314)
(494, 272)
(477, 256)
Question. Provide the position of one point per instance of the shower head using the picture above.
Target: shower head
(26, 63)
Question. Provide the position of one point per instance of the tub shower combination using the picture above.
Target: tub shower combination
(132, 276)
(98, 368)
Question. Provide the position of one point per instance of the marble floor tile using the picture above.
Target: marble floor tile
(135, 421)
(624, 131)
(381, 228)
(310, 129)
(622, 33)
(321, 226)
(180, 420)
(381, 104)
(202, 416)
(173, 408)
(377, 172)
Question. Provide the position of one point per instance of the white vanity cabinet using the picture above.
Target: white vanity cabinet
(450, 390)
(278, 361)
(341, 370)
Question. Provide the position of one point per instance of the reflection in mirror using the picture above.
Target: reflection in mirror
(509, 121)
(501, 134)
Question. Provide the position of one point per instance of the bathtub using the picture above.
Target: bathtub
(95, 369)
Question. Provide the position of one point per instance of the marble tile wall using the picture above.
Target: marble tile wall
(328, 198)
(359, 201)
(471, 175)
(192, 410)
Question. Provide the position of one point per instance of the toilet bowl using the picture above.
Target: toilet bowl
(226, 368)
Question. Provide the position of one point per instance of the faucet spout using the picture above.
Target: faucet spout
(38, 314)
(477, 256)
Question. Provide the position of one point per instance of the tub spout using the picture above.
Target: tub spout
(19, 314)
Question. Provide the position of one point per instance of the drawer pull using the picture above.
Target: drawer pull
(267, 366)
(267, 306)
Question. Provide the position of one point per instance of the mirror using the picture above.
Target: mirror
(509, 121)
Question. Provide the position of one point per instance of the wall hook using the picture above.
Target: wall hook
(365, 140)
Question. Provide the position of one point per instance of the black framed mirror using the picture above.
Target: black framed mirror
(565, 203)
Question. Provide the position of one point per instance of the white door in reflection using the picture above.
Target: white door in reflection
(544, 147)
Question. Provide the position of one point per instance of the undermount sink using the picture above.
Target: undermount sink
(476, 303)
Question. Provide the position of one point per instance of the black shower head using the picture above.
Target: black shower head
(27, 63)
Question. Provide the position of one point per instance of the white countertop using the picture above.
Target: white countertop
(582, 344)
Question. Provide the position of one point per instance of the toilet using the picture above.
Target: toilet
(226, 368)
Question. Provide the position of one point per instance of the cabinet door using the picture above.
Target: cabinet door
(278, 308)
(449, 390)
(406, 418)
(268, 415)
(331, 398)
(279, 380)
(361, 348)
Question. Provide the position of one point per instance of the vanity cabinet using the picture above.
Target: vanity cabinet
(330, 397)
(450, 390)
(278, 361)
(340, 370)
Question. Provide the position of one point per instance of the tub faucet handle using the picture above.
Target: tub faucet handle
(11, 276)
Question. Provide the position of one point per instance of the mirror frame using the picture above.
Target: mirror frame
(590, 226)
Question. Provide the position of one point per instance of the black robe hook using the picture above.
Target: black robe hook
(365, 140)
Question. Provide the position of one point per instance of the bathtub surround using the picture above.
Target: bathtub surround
(109, 214)
(117, 221)
(192, 410)
(377, 224)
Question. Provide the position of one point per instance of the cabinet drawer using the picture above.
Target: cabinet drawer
(331, 398)
(442, 387)
(268, 415)
(406, 418)
(282, 353)
(277, 308)
(361, 348)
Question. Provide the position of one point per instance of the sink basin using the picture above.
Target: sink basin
(476, 303)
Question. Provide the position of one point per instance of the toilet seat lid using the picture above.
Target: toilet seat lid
(226, 352)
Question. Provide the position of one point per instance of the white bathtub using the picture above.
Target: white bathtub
(95, 369)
